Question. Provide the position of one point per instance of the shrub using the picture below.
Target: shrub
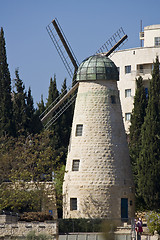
(153, 222)
(35, 216)
(32, 236)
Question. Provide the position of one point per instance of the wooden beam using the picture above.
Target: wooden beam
(54, 108)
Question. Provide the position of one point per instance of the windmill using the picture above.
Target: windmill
(98, 180)
(54, 111)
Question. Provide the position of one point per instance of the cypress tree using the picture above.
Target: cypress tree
(29, 112)
(137, 119)
(135, 139)
(53, 97)
(33, 124)
(149, 158)
(41, 106)
(53, 92)
(7, 126)
(19, 105)
(65, 120)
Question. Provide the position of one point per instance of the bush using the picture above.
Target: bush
(32, 236)
(153, 222)
(35, 216)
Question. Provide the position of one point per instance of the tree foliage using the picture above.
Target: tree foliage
(27, 153)
(148, 165)
(19, 104)
(6, 107)
(25, 115)
(31, 161)
(137, 120)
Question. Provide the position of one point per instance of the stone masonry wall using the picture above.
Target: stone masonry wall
(21, 229)
(104, 175)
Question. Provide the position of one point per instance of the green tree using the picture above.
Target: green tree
(19, 105)
(30, 111)
(149, 158)
(26, 163)
(53, 92)
(65, 120)
(58, 180)
(33, 123)
(53, 95)
(137, 120)
(7, 126)
(41, 106)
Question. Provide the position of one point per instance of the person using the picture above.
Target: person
(139, 228)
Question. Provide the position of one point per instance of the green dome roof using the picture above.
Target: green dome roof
(97, 67)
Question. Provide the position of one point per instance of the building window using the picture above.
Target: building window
(141, 68)
(73, 204)
(127, 92)
(79, 129)
(113, 99)
(127, 69)
(75, 165)
(157, 41)
(127, 116)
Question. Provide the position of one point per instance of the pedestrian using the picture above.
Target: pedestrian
(139, 228)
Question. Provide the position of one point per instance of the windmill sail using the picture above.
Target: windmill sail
(114, 42)
(57, 106)
(63, 47)
(71, 64)
(68, 58)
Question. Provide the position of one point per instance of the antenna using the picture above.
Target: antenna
(114, 42)
(141, 31)
(63, 47)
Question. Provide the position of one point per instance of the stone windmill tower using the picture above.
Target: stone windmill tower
(98, 180)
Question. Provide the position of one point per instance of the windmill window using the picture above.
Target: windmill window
(127, 93)
(127, 69)
(73, 204)
(127, 116)
(79, 129)
(75, 165)
(157, 41)
(113, 99)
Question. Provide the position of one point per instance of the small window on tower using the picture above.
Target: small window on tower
(127, 116)
(75, 165)
(79, 129)
(73, 204)
(113, 99)
(127, 92)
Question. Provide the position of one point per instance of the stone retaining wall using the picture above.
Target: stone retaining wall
(21, 229)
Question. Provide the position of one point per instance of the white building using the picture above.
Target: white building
(133, 63)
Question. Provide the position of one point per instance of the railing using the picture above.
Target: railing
(93, 225)
(144, 71)
(96, 229)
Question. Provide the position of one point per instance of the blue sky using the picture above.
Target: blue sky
(87, 24)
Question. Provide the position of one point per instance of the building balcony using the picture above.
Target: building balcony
(143, 71)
